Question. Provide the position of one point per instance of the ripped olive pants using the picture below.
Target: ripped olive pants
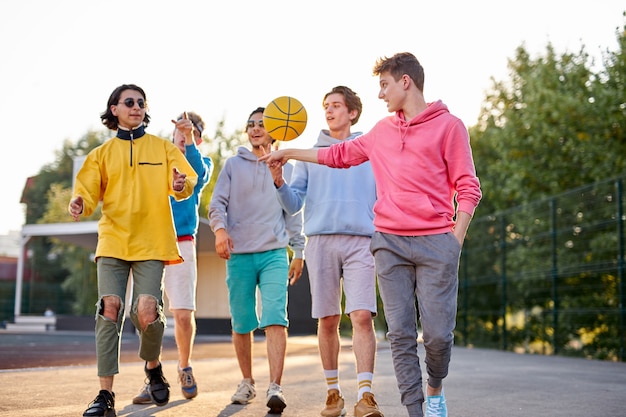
(113, 278)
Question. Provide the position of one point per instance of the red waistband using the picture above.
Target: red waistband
(184, 237)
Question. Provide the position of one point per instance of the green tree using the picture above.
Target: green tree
(557, 124)
(80, 284)
(553, 126)
(220, 148)
(47, 263)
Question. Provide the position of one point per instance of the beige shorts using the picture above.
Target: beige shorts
(333, 260)
(181, 279)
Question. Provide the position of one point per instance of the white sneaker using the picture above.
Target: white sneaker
(245, 392)
(275, 399)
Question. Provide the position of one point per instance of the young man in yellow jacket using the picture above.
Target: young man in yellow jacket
(132, 175)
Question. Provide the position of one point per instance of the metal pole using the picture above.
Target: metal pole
(503, 281)
(555, 295)
(619, 185)
(19, 277)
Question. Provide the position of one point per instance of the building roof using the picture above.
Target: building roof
(85, 234)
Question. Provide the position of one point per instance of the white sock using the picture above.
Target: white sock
(365, 383)
(332, 379)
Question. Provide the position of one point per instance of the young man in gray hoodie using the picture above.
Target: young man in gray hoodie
(252, 232)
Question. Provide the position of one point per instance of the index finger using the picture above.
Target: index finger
(266, 156)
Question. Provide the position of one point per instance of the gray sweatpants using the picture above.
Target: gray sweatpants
(426, 268)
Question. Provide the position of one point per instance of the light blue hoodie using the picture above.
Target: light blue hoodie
(245, 203)
(336, 201)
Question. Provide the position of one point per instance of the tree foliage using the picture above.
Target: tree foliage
(558, 123)
(46, 199)
(549, 142)
(220, 148)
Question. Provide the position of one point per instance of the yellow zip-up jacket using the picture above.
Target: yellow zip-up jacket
(134, 186)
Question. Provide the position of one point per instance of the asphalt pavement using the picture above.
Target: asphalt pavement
(482, 383)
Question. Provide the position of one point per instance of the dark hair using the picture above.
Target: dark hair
(353, 101)
(196, 120)
(108, 118)
(257, 110)
(400, 64)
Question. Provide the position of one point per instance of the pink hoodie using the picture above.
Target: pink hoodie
(421, 167)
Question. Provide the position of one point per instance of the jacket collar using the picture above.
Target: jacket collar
(126, 134)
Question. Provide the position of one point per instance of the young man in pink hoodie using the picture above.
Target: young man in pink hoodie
(427, 192)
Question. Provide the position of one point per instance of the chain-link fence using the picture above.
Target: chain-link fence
(548, 277)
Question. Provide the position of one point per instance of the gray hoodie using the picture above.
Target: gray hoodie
(246, 204)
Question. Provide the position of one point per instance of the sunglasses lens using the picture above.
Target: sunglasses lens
(130, 102)
(251, 124)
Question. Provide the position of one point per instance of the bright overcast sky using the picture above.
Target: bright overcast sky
(61, 59)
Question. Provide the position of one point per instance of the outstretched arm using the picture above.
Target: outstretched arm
(283, 155)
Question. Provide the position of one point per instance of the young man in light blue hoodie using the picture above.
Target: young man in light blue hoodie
(338, 222)
(252, 232)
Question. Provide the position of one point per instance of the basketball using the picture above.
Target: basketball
(284, 118)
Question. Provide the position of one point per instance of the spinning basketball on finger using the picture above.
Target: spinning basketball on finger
(284, 119)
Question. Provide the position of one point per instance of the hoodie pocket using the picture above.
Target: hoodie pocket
(407, 211)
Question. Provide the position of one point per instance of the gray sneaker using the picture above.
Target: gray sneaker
(245, 392)
(187, 382)
(143, 397)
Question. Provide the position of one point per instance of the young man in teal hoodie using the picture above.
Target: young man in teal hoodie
(338, 222)
(427, 193)
(252, 232)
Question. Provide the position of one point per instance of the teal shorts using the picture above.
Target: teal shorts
(268, 271)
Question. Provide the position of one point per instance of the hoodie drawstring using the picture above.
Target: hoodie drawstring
(403, 132)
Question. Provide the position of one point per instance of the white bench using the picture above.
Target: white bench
(33, 323)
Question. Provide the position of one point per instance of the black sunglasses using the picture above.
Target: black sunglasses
(130, 102)
(252, 122)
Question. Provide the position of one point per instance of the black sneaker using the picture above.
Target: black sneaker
(158, 387)
(102, 406)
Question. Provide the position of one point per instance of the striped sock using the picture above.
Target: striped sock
(332, 379)
(365, 383)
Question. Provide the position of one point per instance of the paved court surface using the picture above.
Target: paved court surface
(482, 383)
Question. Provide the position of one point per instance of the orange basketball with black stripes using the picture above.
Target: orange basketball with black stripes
(284, 118)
